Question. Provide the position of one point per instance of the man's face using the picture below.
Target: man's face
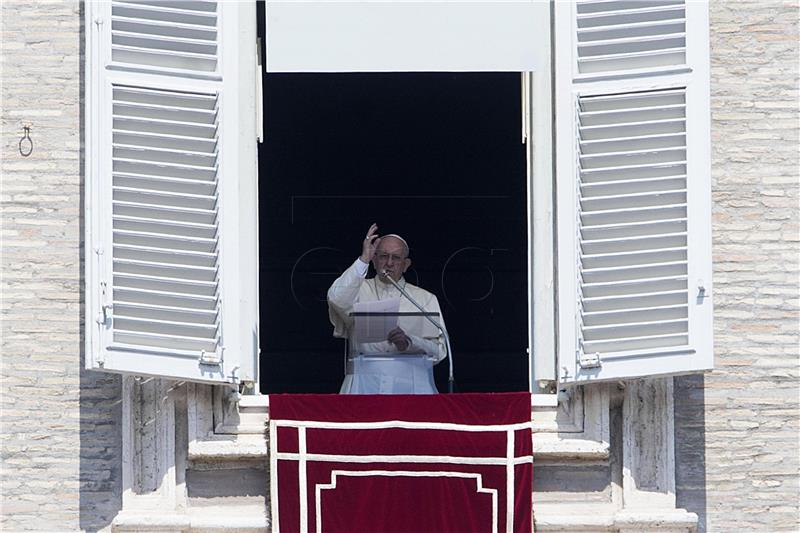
(391, 256)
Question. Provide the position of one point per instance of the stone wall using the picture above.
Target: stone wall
(738, 428)
(60, 436)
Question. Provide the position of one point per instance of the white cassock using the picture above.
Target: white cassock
(386, 374)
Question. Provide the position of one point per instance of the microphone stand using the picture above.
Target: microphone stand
(450, 379)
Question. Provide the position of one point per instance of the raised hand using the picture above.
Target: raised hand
(370, 244)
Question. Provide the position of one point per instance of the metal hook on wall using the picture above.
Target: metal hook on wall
(25, 151)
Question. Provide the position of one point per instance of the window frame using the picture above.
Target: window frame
(548, 281)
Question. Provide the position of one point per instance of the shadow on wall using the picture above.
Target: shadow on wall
(100, 397)
(100, 449)
(690, 446)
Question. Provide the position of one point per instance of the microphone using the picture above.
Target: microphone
(437, 325)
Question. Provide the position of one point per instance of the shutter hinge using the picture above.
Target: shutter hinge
(588, 360)
(103, 316)
(701, 290)
(211, 358)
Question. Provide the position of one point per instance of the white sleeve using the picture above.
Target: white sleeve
(433, 346)
(361, 267)
(342, 295)
(344, 290)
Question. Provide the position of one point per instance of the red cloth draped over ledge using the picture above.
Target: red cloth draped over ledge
(401, 463)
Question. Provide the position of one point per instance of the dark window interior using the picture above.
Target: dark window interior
(435, 157)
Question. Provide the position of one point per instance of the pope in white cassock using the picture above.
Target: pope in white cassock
(401, 364)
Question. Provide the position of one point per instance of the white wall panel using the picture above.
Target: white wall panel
(405, 36)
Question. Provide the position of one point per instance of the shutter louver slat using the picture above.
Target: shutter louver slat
(632, 258)
(649, 314)
(139, 202)
(175, 229)
(593, 133)
(160, 28)
(176, 44)
(621, 288)
(633, 270)
(620, 144)
(630, 35)
(196, 5)
(609, 46)
(639, 328)
(163, 312)
(157, 255)
(167, 170)
(165, 327)
(138, 212)
(172, 270)
(164, 112)
(169, 36)
(166, 59)
(165, 184)
(173, 285)
(628, 32)
(155, 140)
(619, 303)
(612, 113)
(636, 344)
(622, 159)
(635, 15)
(636, 214)
(634, 171)
(163, 98)
(604, 6)
(165, 299)
(627, 201)
(157, 198)
(183, 13)
(609, 188)
(614, 231)
(185, 242)
(159, 341)
(163, 156)
(164, 218)
(612, 246)
(178, 242)
(163, 127)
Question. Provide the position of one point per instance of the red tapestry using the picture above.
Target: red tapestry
(401, 463)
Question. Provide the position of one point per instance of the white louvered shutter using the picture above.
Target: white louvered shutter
(633, 188)
(171, 166)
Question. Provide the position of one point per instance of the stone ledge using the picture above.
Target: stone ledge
(588, 518)
(251, 446)
(555, 448)
(136, 521)
(228, 447)
(230, 519)
(260, 402)
(670, 520)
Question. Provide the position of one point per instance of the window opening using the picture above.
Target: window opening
(435, 157)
